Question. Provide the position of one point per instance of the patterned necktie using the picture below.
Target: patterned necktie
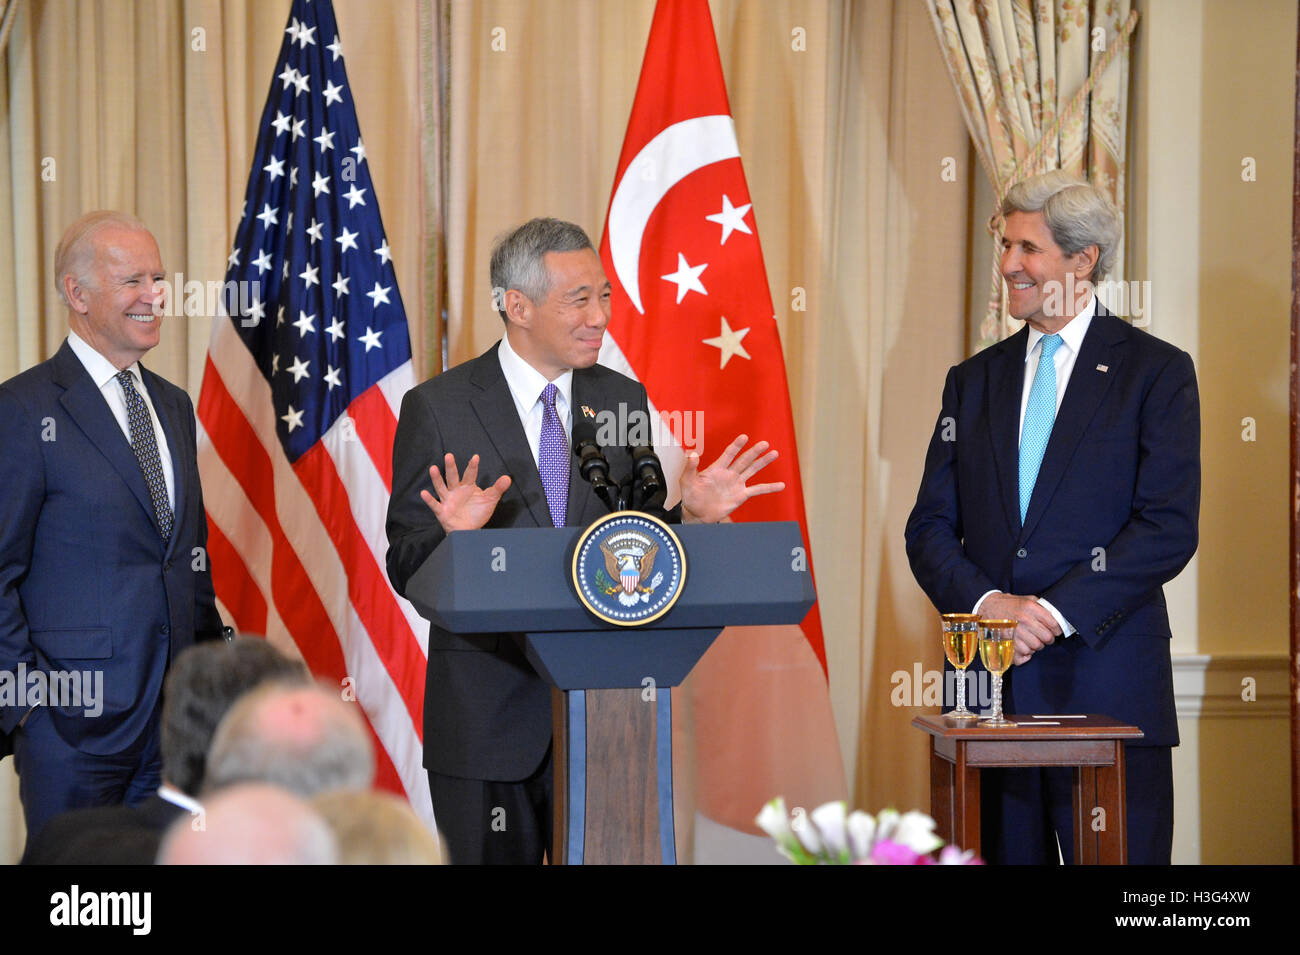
(1040, 415)
(553, 458)
(145, 447)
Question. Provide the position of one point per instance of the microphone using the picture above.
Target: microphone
(648, 477)
(591, 461)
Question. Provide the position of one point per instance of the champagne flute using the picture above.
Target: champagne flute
(997, 649)
(960, 640)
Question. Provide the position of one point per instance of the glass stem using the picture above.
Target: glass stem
(997, 696)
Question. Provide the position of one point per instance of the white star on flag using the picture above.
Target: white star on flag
(335, 329)
(332, 378)
(325, 140)
(341, 285)
(320, 184)
(275, 167)
(281, 124)
(233, 258)
(355, 196)
(305, 323)
(371, 338)
(385, 256)
(314, 230)
(298, 369)
(687, 278)
(728, 342)
(310, 275)
(731, 218)
(333, 94)
(379, 295)
(293, 419)
(347, 240)
(268, 216)
(263, 262)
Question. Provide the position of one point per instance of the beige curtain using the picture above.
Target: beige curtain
(1043, 84)
(152, 107)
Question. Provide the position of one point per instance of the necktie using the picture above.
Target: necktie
(553, 458)
(145, 447)
(1040, 414)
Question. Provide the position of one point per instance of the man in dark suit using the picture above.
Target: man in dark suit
(508, 414)
(1062, 490)
(103, 567)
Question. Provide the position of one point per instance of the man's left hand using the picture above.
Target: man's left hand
(710, 495)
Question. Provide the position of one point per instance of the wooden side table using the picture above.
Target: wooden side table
(1093, 745)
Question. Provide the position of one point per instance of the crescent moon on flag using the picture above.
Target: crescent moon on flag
(666, 160)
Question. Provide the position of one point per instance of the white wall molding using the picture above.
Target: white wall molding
(1211, 686)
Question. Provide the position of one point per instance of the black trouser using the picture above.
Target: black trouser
(485, 822)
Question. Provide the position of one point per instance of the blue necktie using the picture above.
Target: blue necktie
(553, 458)
(1040, 414)
(145, 447)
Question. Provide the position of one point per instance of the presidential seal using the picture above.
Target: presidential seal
(629, 568)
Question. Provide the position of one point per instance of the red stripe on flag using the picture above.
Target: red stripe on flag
(292, 592)
(231, 579)
(376, 428)
(367, 587)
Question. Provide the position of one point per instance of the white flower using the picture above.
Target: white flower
(775, 821)
(916, 831)
(830, 822)
(862, 833)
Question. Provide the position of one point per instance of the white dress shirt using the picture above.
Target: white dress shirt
(104, 375)
(1071, 341)
(526, 386)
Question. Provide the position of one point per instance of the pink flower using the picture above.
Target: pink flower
(885, 852)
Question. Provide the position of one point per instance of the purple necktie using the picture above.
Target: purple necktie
(553, 458)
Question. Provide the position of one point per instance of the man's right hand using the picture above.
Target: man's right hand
(1035, 625)
(461, 505)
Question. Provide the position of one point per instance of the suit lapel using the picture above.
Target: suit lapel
(87, 407)
(495, 408)
(1102, 346)
(1006, 371)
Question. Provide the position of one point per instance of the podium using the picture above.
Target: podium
(612, 686)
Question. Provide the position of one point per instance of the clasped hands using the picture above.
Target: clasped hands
(1035, 625)
(708, 496)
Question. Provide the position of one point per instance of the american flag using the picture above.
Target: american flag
(299, 404)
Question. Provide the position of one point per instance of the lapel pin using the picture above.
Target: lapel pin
(1103, 368)
(587, 412)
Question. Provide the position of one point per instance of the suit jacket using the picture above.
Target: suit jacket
(1113, 516)
(86, 582)
(487, 713)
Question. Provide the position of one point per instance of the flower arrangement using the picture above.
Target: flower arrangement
(830, 835)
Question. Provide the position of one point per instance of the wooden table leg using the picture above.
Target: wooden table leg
(941, 795)
(1100, 838)
(1112, 842)
(965, 802)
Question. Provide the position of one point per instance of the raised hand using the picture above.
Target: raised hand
(461, 505)
(710, 495)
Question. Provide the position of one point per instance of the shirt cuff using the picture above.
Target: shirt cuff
(983, 598)
(1066, 629)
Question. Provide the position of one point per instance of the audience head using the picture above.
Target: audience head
(250, 824)
(202, 684)
(377, 828)
(304, 738)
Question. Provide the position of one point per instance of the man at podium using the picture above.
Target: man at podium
(488, 444)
